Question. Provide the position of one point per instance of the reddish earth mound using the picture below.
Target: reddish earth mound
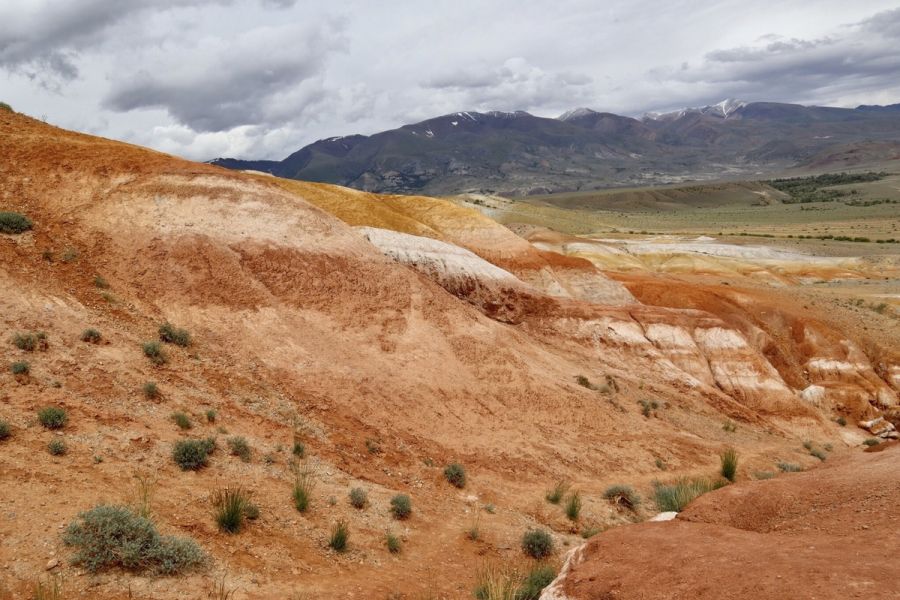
(828, 533)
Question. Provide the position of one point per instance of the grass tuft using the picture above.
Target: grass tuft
(340, 536)
(172, 335)
(239, 447)
(151, 390)
(393, 543)
(182, 420)
(676, 496)
(573, 506)
(304, 484)
(555, 495)
(622, 496)
(154, 351)
(230, 508)
(729, 464)
(786, 467)
(91, 336)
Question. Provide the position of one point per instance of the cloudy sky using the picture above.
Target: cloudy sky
(261, 78)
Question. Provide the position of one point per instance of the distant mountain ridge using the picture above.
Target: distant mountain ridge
(520, 153)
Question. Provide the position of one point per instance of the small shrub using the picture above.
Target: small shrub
(648, 406)
(786, 467)
(57, 447)
(182, 420)
(69, 254)
(675, 497)
(53, 417)
(151, 390)
(535, 581)
(6, 107)
(100, 282)
(11, 222)
(340, 535)
(808, 445)
(842, 421)
(729, 463)
(299, 450)
(660, 464)
(192, 455)
(239, 447)
(555, 495)
(589, 532)
(304, 483)
(623, 496)
(827, 447)
(573, 506)
(373, 446)
(91, 336)
(358, 498)
(20, 368)
(31, 341)
(392, 542)
(537, 543)
(4, 430)
(456, 475)
(211, 416)
(584, 382)
(113, 536)
(230, 508)
(760, 475)
(729, 426)
(818, 453)
(490, 509)
(871, 441)
(401, 506)
(154, 351)
(251, 511)
(173, 335)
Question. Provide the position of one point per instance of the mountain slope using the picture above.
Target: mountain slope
(518, 153)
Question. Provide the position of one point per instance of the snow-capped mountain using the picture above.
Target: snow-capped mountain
(722, 109)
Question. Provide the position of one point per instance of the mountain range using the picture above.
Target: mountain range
(517, 153)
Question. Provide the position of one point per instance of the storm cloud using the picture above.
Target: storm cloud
(261, 78)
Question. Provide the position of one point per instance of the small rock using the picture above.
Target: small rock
(52, 564)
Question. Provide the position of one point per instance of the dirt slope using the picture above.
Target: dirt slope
(830, 532)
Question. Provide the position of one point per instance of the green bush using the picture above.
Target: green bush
(358, 498)
(113, 536)
(537, 543)
(92, 336)
(100, 282)
(57, 447)
(20, 367)
(456, 475)
(230, 508)
(559, 490)
(393, 543)
(535, 581)
(573, 506)
(675, 497)
(786, 467)
(30, 341)
(154, 351)
(239, 447)
(871, 441)
(299, 450)
(11, 222)
(53, 417)
(182, 420)
(211, 416)
(401, 506)
(173, 335)
(622, 495)
(340, 535)
(4, 430)
(192, 455)
(304, 483)
(6, 107)
(151, 390)
(729, 464)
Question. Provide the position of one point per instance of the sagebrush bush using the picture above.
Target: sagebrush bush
(729, 464)
(871, 441)
(358, 498)
(31, 341)
(818, 453)
(172, 335)
(182, 420)
(539, 577)
(393, 543)
(676, 496)
(622, 495)
(573, 506)
(6, 107)
(340, 536)
(4, 430)
(151, 390)
(53, 417)
(401, 506)
(57, 447)
(239, 447)
(20, 367)
(230, 508)
(91, 336)
(786, 467)
(456, 475)
(113, 536)
(154, 351)
(192, 455)
(11, 222)
(211, 416)
(537, 543)
(555, 495)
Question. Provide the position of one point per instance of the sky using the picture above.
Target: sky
(262, 78)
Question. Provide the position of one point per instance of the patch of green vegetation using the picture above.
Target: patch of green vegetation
(31, 341)
(401, 507)
(841, 421)
(393, 543)
(53, 417)
(871, 441)
(230, 507)
(729, 464)
(239, 447)
(57, 447)
(573, 506)
(182, 420)
(211, 416)
(114, 536)
(803, 190)
(193, 454)
(623, 496)
(647, 406)
(172, 335)
(154, 351)
(6, 107)
(91, 336)
(20, 367)
(340, 536)
(729, 426)
(100, 282)
(151, 390)
(304, 483)
(455, 474)
(537, 543)
(11, 222)
(359, 498)
(539, 577)
(760, 475)
(299, 449)
(5, 430)
(786, 467)
(555, 495)
(676, 496)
